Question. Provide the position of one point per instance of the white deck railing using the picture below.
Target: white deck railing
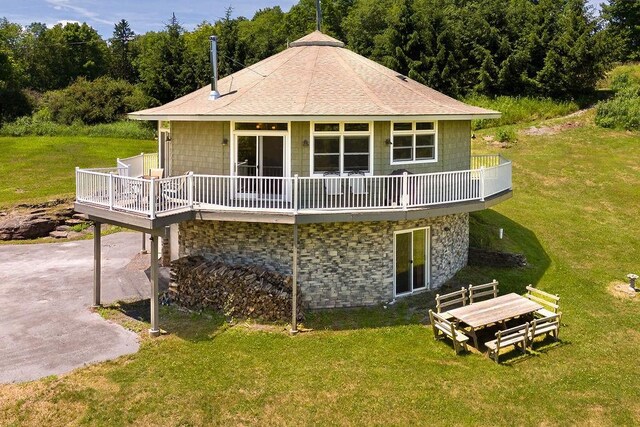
(114, 189)
(137, 165)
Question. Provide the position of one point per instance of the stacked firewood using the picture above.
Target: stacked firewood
(238, 291)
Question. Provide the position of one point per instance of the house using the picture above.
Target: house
(315, 161)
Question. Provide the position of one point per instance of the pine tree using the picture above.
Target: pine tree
(121, 66)
(623, 17)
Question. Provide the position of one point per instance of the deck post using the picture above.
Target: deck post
(152, 199)
(295, 193)
(294, 290)
(190, 189)
(482, 183)
(144, 244)
(154, 331)
(405, 190)
(97, 267)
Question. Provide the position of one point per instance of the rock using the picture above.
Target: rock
(59, 234)
(80, 216)
(26, 227)
(74, 221)
(63, 228)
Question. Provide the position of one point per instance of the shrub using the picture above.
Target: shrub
(505, 135)
(38, 126)
(519, 109)
(623, 110)
(104, 100)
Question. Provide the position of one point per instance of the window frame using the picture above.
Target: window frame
(341, 134)
(414, 133)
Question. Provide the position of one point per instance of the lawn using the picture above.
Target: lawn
(39, 168)
(574, 215)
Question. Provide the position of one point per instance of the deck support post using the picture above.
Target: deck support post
(97, 261)
(155, 315)
(144, 244)
(294, 290)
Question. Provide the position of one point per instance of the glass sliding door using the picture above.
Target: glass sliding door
(260, 156)
(411, 261)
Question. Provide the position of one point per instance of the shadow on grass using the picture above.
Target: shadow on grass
(186, 325)
(414, 309)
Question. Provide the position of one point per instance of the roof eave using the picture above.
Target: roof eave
(313, 117)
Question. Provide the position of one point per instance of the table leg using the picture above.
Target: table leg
(475, 338)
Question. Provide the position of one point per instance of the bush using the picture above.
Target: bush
(38, 126)
(14, 102)
(519, 109)
(623, 110)
(104, 100)
(505, 135)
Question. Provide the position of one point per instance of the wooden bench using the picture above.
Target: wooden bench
(549, 302)
(444, 328)
(549, 325)
(447, 300)
(480, 291)
(517, 336)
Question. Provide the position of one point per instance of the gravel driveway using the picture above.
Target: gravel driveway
(46, 326)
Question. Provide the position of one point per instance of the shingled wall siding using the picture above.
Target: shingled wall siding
(340, 264)
(197, 147)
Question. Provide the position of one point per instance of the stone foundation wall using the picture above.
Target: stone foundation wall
(339, 264)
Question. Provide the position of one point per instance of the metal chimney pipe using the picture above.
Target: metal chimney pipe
(318, 15)
(214, 66)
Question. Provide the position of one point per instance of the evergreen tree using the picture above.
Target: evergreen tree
(121, 66)
(623, 17)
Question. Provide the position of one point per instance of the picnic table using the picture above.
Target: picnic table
(495, 310)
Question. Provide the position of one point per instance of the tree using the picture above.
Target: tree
(121, 66)
(161, 63)
(575, 59)
(623, 18)
(57, 56)
(13, 100)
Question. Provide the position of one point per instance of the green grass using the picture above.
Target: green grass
(35, 169)
(631, 70)
(573, 214)
(519, 109)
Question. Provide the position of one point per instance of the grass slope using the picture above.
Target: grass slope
(574, 215)
(34, 169)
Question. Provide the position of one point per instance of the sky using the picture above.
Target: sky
(142, 15)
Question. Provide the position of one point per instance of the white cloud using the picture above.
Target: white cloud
(85, 13)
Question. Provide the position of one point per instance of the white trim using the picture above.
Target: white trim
(340, 133)
(320, 118)
(233, 145)
(427, 261)
(414, 132)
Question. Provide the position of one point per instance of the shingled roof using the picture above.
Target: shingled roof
(315, 78)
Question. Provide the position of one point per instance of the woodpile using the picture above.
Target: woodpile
(238, 291)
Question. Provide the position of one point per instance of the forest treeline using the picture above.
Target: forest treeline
(550, 48)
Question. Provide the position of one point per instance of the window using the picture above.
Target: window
(413, 142)
(341, 147)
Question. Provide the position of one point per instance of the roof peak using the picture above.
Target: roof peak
(317, 38)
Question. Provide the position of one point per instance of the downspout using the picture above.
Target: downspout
(214, 68)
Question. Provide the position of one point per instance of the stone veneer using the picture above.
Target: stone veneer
(339, 264)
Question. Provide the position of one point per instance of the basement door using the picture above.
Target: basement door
(411, 261)
(260, 156)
